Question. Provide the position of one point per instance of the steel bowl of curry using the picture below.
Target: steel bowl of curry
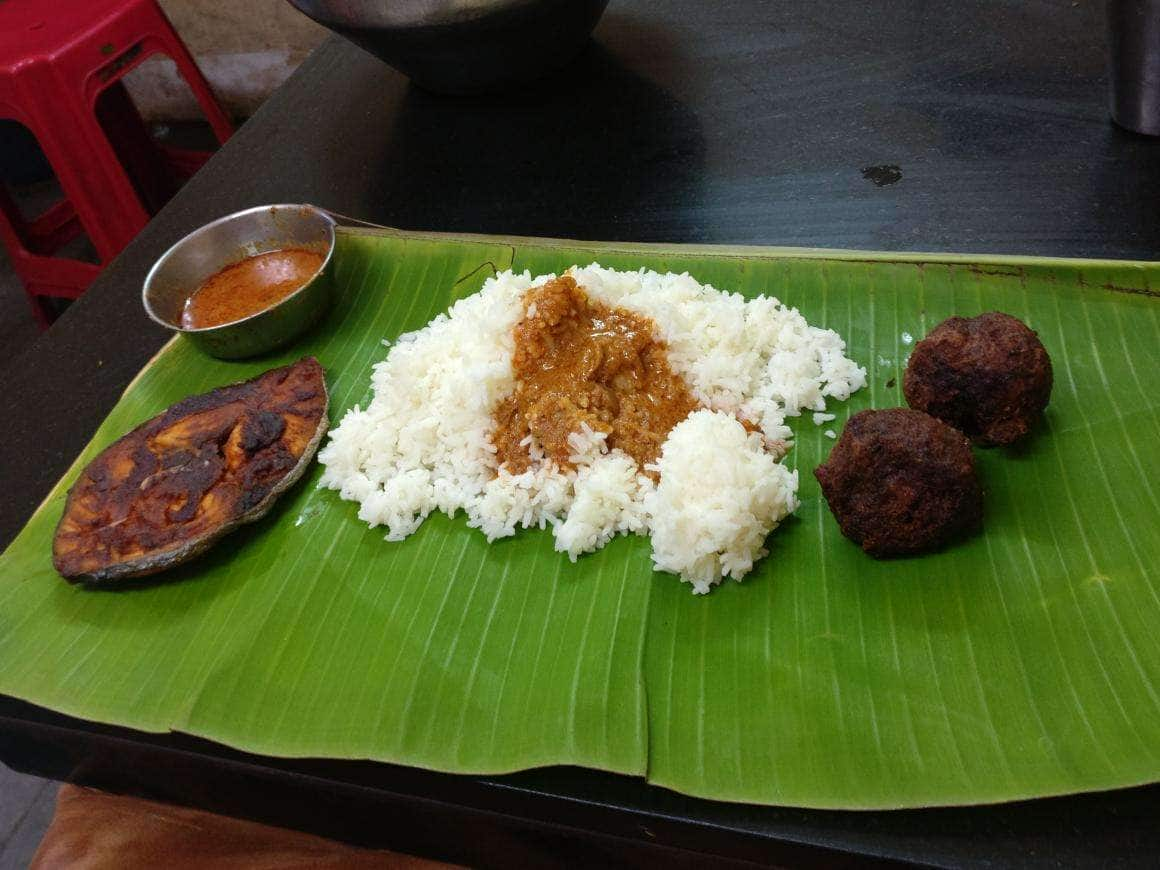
(247, 283)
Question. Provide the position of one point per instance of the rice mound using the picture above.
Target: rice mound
(423, 443)
(721, 493)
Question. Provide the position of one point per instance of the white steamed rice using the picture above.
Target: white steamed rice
(423, 443)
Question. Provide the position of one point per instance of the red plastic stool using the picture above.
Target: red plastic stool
(30, 245)
(61, 66)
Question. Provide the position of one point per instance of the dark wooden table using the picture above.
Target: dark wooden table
(976, 125)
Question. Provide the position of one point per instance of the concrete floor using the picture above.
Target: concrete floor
(27, 802)
(26, 807)
(17, 328)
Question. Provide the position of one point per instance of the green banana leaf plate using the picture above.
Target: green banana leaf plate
(1022, 662)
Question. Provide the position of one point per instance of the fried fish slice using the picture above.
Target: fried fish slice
(165, 492)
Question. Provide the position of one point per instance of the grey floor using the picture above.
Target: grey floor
(26, 802)
(26, 807)
(18, 329)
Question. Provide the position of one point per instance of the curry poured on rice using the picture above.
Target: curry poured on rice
(580, 362)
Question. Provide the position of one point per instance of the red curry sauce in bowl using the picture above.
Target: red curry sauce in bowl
(246, 283)
(249, 286)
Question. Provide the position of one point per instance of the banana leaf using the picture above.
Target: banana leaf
(1022, 662)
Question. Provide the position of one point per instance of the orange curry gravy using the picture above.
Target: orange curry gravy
(579, 361)
(249, 286)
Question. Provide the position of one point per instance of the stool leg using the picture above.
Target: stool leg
(72, 175)
(168, 42)
(42, 274)
(153, 180)
(94, 180)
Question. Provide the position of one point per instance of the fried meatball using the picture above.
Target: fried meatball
(899, 481)
(988, 376)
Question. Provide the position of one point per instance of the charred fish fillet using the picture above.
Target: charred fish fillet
(165, 492)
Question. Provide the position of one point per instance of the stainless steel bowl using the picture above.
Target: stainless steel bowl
(463, 46)
(205, 251)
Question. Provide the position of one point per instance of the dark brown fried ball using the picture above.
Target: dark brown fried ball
(988, 376)
(899, 481)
